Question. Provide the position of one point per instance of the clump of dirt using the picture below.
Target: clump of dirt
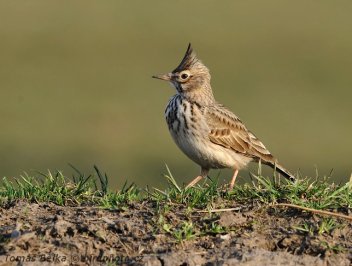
(145, 234)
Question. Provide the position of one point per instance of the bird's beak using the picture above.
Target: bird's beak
(166, 77)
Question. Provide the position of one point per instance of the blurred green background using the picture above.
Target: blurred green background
(76, 86)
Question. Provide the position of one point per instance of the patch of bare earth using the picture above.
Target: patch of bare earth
(47, 234)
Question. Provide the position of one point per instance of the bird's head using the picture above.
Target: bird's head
(190, 76)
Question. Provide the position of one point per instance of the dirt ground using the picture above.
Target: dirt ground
(47, 234)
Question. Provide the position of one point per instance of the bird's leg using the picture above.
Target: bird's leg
(203, 173)
(232, 183)
(194, 181)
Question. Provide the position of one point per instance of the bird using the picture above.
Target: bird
(206, 131)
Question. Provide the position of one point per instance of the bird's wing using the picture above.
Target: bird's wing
(227, 130)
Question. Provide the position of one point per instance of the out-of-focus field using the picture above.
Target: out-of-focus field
(75, 82)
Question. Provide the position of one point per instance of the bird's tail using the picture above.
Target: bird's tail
(280, 169)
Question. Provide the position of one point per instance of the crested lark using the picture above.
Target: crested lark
(206, 131)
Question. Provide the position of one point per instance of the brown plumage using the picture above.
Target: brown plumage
(206, 131)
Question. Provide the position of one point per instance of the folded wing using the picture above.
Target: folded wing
(227, 130)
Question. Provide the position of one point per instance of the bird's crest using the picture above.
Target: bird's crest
(188, 60)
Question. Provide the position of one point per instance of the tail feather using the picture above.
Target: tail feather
(282, 171)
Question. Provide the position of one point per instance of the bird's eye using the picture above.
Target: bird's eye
(184, 76)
